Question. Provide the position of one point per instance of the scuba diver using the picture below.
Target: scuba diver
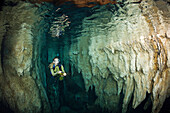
(58, 73)
(56, 69)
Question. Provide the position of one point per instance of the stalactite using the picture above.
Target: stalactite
(132, 48)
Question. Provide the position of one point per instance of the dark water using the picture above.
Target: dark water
(4, 108)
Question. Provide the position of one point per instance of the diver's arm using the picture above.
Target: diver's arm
(62, 69)
(51, 69)
(52, 72)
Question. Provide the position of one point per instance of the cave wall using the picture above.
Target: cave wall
(126, 52)
(22, 78)
(123, 52)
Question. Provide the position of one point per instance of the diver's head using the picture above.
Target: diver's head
(56, 60)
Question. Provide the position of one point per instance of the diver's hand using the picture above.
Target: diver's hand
(51, 65)
(55, 74)
(59, 72)
(64, 74)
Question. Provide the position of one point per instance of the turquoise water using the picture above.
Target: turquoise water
(69, 95)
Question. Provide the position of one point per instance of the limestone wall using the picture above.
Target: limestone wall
(126, 52)
(22, 82)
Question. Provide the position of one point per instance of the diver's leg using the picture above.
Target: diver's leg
(61, 91)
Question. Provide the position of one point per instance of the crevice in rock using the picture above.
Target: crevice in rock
(165, 108)
(2, 4)
(4, 108)
(144, 107)
(2, 53)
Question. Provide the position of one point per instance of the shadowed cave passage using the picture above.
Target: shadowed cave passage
(69, 95)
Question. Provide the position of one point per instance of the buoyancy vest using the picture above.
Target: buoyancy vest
(59, 68)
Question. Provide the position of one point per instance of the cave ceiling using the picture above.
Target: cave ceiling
(78, 3)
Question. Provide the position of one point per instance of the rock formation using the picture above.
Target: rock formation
(122, 53)
(126, 52)
(22, 84)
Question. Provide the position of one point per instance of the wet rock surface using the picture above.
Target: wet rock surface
(21, 87)
(126, 55)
